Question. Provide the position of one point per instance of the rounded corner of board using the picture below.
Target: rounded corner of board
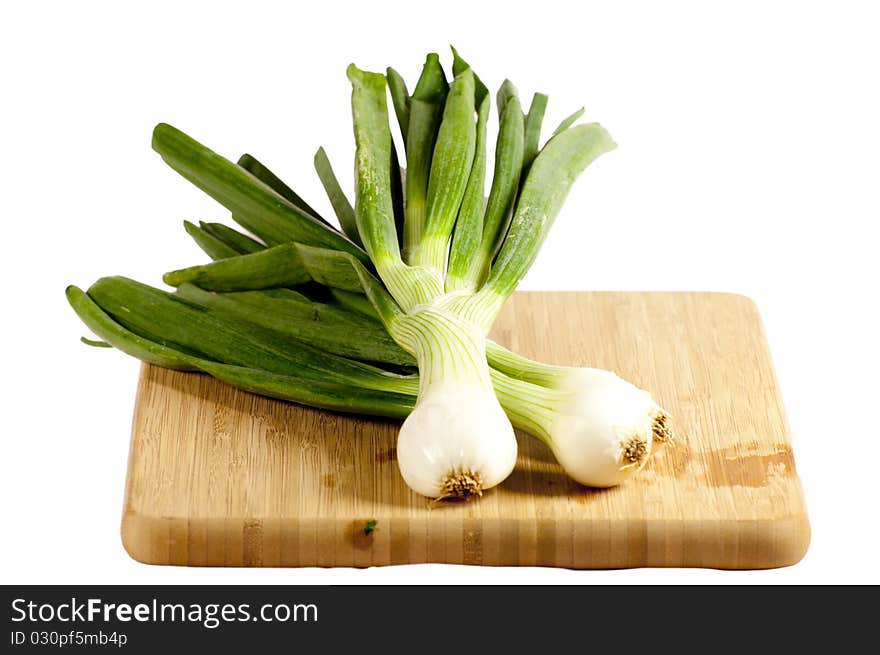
(790, 540)
(135, 532)
(738, 298)
(775, 543)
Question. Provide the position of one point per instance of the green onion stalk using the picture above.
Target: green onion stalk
(390, 315)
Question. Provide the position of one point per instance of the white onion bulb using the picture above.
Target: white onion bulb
(605, 429)
(456, 442)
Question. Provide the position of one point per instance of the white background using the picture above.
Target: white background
(748, 162)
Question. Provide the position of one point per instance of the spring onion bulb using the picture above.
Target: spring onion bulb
(601, 428)
(605, 427)
(457, 441)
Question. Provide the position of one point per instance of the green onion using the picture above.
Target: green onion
(305, 314)
(456, 396)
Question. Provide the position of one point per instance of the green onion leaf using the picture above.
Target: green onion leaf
(293, 388)
(450, 169)
(553, 172)
(568, 122)
(399, 98)
(373, 207)
(178, 323)
(287, 313)
(253, 204)
(213, 247)
(267, 177)
(397, 202)
(509, 148)
(468, 232)
(353, 301)
(279, 266)
(533, 121)
(459, 66)
(239, 242)
(94, 343)
(341, 206)
(425, 112)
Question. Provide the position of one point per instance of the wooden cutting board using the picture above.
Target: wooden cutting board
(222, 477)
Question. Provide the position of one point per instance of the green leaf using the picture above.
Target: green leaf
(213, 247)
(373, 206)
(186, 326)
(509, 149)
(568, 122)
(399, 98)
(451, 165)
(254, 205)
(94, 343)
(468, 232)
(241, 243)
(279, 266)
(267, 177)
(293, 388)
(553, 172)
(459, 66)
(341, 206)
(425, 113)
(533, 121)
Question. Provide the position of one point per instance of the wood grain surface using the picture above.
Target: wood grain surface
(221, 477)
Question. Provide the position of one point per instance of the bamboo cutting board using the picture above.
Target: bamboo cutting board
(220, 477)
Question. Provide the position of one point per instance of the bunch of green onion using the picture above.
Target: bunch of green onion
(388, 314)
